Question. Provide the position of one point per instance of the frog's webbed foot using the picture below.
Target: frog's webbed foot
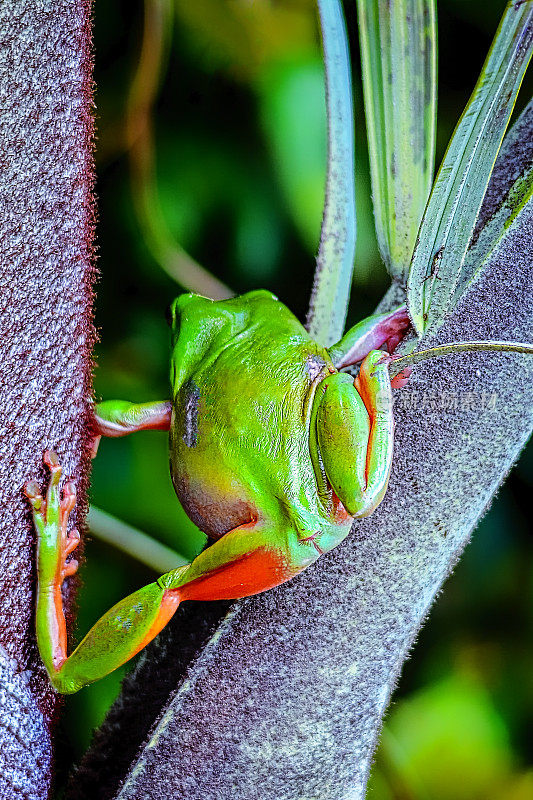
(51, 516)
(55, 543)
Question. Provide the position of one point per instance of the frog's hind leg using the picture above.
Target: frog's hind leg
(245, 561)
(119, 634)
(355, 428)
(370, 334)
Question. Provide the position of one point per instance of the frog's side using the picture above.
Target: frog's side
(272, 454)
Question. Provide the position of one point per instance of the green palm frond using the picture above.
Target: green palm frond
(446, 230)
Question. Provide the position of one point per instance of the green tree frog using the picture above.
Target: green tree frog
(273, 452)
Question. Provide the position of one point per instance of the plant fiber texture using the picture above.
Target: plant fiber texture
(46, 334)
(285, 700)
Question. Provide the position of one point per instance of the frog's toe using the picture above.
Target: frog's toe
(401, 379)
(51, 460)
(68, 500)
(33, 493)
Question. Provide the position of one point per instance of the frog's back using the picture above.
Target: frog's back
(241, 418)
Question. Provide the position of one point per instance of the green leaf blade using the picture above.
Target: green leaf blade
(454, 204)
(398, 51)
(515, 202)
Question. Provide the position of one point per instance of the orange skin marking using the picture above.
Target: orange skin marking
(250, 574)
(340, 513)
(58, 628)
(168, 608)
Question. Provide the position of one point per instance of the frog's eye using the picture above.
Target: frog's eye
(168, 315)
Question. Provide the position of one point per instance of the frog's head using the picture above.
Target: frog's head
(200, 326)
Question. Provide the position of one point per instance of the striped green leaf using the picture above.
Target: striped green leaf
(515, 202)
(333, 276)
(449, 220)
(398, 51)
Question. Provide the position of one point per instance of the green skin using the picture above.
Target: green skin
(273, 453)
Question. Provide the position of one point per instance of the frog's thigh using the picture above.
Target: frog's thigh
(245, 561)
(343, 431)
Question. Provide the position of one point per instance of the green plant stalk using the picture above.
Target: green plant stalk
(335, 261)
(512, 206)
(133, 542)
(399, 60)
(462, 180)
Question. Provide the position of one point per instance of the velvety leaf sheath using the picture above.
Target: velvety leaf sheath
(516, 202)
(285, 700)
(46, 333)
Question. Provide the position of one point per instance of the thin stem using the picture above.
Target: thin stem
(135, 543)
(334, 268)
(399, 363)
(140, 139)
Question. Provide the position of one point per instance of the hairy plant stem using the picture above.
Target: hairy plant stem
(46, 337)
(400, 362)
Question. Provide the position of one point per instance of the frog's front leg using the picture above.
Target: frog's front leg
(370, 334)
(121, 417)
(355, 431)
(245, 561)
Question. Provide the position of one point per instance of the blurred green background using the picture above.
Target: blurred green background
(211, 137)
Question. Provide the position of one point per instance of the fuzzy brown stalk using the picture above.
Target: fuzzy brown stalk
(46, 334)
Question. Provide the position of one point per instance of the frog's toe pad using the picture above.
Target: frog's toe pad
(68, 500)
(33, 492)
(69, 568)
(52, 462)
(401, 379)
